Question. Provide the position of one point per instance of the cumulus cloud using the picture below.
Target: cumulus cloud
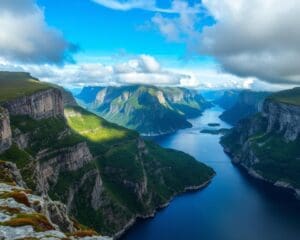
(26, 37)
(255, 38)
(143, 69)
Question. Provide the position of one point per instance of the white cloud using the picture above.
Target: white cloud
(148, 5)
(143, 69)
(255, 38)
(26, 37)
(181, 27)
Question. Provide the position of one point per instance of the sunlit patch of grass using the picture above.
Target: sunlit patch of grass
(94, 128)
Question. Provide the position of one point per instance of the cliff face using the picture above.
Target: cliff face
(268, 144)
(5, 130)
(282, 118)
(40, 105)
(149, 110)
(247, 103)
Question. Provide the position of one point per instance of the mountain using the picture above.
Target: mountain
(247, 103)
(228, 99)
(268, 144)
(106, 175)
(149, 110)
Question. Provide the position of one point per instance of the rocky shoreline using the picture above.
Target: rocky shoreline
(133, 221)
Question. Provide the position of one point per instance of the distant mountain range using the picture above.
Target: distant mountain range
(148, 109)
(240, 104)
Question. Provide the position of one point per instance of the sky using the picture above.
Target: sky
(206, 44)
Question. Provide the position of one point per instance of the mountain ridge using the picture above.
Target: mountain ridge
(148, 109)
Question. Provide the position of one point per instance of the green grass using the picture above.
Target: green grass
(94, 128)
(291, 96)
(18, 84)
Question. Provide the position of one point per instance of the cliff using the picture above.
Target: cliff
(149, 110)
(268, 144)
(105, 176)
(40, 105)
(247, 104)
(5, 130)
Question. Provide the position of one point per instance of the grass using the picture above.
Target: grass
(18, 196)
(94, 128)
(9, 210)
(291, 96)
(19, 84)
(39, 222)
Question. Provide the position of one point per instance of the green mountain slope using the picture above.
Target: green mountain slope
(105, 174)
(149, 110)
(268, 144)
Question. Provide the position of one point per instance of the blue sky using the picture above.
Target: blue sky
(102, 31)
(208, 44)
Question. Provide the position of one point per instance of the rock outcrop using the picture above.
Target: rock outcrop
(24, 215)
(68, 159)
(40, 105)
(5, 130)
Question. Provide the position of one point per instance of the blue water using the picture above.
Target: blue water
(233, 207)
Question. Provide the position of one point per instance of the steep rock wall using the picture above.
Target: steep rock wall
(282, 118)
(42, 104)
(5, 130)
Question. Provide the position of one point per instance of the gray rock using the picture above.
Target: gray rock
(40, 105)
(5, 130)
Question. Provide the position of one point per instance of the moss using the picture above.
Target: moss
(19, 197)
(39, 222)
(9, 210)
